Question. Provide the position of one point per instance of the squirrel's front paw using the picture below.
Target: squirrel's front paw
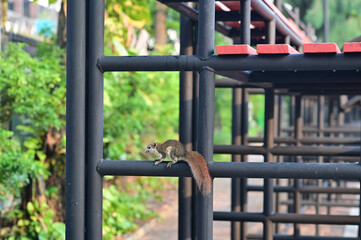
(169, 164)
(156, 162)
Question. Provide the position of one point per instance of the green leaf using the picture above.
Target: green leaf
(41, 155)
(30, 207)
(32, 143)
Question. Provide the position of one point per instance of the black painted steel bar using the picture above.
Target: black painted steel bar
(287, 218)
(245, 36)
(291, 150)
(195, 133)
(205, 147)
(268, 157)
(308, 189)
(185, 130)
(311, 140)
(324, 203)
(307, 78)
(298, 125)
(351, 129)
(285, 237)
(244, 158)
(75, 119)
(236, 140)
(229, 169)
(206, 23)
(94, 109)
(239, 135)
(292, 62)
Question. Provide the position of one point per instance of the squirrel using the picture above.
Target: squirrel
(176, 152)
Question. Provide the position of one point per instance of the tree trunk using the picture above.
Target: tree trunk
(160, 24)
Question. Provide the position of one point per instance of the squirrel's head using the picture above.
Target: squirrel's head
(152, 148)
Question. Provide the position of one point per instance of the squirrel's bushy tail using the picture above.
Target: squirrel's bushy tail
(200, 172)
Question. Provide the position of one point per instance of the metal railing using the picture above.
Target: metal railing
(283, 149)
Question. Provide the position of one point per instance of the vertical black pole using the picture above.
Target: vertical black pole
(297, 182)
(205, 147)
(245, 32)
(206, 28)
(278, 120)
(236, 140)
(195, 132)
(239, 191)
(94, 108)
(320, 125)
(245, 39)
(75, 121)
(268, 144)
(326, 23)
(206, 112)
(268, 141)
(185, 130)
(271, 32)
(244, 158)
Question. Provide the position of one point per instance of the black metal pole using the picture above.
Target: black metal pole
(244, 158)
(292, 150)
(292, 62)
(297, 182)
(245, 36)
(185, 130)
(205, 147)
(236, 140)
(326, 23)
(195, 132)
(242, 170)
(94, 108)
(206, 23)
(268, 143)
(75, 121)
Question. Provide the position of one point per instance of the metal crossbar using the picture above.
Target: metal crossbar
(291, 152)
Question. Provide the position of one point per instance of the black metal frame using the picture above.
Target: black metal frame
(198, 65)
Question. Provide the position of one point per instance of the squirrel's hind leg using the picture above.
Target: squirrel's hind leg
(172, 163)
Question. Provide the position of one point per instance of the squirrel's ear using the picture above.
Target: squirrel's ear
(155, 144)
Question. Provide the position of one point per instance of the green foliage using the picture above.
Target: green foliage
(122, 209)
(32, 90)
(256, 115)
(33, 87)
(16, 166)
(122, 17)
(139, 108)
(344, 18)
(36, 222)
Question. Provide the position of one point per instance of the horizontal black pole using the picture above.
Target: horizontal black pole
(322, 203)
(310, 140)
(353, 129)
(289, 237)
(292, 62)
(289, 150)
(307, 78)
(307, 189)
(235, 170)
(287, 218)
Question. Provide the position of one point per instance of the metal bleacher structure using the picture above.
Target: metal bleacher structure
(311, 161)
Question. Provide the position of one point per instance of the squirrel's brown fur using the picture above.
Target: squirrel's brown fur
(200, 171)
(176, 152)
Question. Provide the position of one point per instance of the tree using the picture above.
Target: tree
(345, 19)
